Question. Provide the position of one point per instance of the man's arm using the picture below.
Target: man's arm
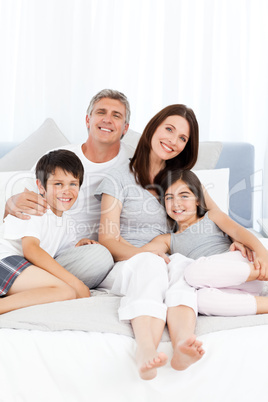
(24, 204)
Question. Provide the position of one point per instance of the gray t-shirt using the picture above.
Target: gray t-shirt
(142, 216)
(202, 239)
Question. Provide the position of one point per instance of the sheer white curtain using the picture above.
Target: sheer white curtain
(209, 54)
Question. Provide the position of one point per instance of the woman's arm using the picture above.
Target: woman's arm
(236, 245)
(109, 231)
(244, 236)
(40, 258)
(160, 245)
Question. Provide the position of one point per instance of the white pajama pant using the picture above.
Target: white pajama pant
(149, 286)
(221, 285)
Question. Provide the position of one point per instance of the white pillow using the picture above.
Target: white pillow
(23, 157)
(216, 182)
(131, 138)
(12, 183)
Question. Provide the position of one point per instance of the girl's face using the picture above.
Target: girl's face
(170, 137)
(181, 203)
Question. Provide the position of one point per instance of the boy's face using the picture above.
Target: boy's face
(61, 192)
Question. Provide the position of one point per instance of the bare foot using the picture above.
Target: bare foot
(148, 361)
(186, 353)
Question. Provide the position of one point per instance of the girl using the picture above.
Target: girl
(228, 284)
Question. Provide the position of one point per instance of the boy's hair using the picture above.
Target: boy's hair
(191, 180)
(111, 94)
(63, 159)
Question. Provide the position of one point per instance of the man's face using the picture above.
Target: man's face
(107, 122)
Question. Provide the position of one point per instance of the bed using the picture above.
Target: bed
(78, 351)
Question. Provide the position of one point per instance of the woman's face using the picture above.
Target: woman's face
(170, 138)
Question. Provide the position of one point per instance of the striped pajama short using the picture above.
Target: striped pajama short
(10, 268)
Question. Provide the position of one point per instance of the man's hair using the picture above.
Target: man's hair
(111, 94)
(63, 159)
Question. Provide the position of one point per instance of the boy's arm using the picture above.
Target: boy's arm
(40, 258)
(244, 236)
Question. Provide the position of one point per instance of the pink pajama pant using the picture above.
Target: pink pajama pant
(221, 285)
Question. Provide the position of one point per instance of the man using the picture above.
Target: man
(107, 121)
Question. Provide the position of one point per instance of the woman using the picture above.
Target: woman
(154, 293)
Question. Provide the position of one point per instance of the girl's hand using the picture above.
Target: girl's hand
(245, 251)
(84, 242)
(261, 263)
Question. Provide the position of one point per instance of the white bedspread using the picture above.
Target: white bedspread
(72, 366)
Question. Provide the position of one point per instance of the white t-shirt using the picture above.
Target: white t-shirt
(85, 213)
(53, 232)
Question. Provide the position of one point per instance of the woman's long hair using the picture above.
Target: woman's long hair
(139, 164)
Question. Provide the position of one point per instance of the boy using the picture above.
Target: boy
(29, 274)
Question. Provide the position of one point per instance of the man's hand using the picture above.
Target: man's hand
(25, 203)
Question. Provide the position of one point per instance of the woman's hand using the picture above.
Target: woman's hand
(85, 241)
(245, 251)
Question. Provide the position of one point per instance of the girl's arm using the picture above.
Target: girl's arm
(40, 258)
(242, 235)
(109, 231)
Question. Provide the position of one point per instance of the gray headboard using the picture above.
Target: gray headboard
(239, 158)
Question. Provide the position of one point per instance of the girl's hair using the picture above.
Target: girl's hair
(192, 182)
(63, 159)
(139, 164)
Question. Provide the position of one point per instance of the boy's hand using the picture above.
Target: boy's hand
(81, 289)
(85, 241)
(25, 203)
